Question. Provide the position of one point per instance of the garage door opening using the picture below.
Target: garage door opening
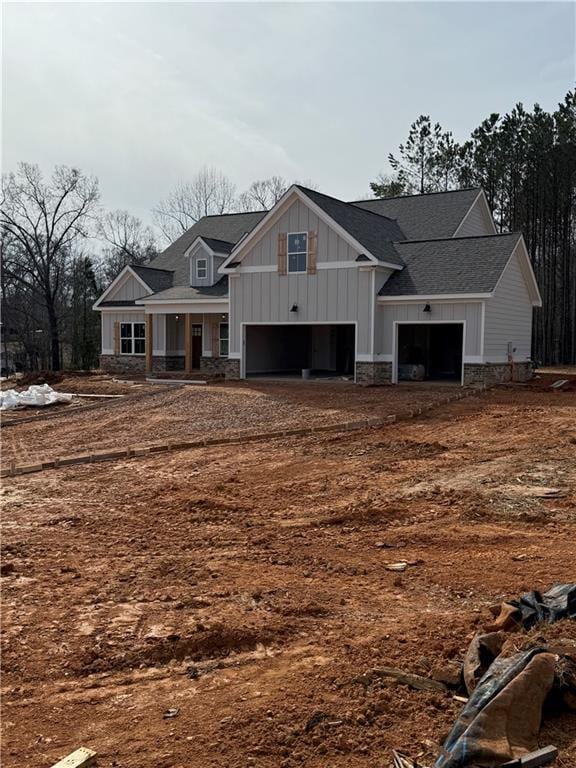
(287, 350)
(430, 351)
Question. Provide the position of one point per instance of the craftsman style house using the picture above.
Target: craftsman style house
(417, 287)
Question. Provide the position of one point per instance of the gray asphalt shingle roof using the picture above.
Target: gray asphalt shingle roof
(424, 216)
(218, 246)
(156, 279)
(375, 232)
(451, 265)
(180, 292)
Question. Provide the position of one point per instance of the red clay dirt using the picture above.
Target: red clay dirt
(246, 586)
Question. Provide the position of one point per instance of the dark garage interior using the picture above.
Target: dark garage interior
(430, 351)
(287, 350)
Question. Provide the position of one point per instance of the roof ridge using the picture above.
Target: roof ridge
(146, 266)
(418, 194)
(337, 199)
(451, 239)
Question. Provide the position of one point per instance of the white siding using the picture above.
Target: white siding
(509, 317)
(478, 221)
(411, 311)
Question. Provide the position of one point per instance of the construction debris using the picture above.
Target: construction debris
(501, 720)
(36, 396)
(80, 758)
(407, 678)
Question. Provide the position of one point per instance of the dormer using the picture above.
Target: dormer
(205, 256)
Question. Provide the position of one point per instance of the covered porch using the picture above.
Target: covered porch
(179, 339)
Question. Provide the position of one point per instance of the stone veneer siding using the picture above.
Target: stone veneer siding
(137, 363)
(369, 374)
(232, 369)
(214, 366)
(487, 374)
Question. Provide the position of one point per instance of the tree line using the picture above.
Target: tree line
(52, 271)
(526, 163)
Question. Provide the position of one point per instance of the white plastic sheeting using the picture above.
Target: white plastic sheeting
(36, 396)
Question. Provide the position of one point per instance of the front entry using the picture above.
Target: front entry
(196, 345)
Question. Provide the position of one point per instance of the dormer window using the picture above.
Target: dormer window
(297, 252)
(201, 269)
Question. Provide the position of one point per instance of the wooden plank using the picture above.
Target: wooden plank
(540, 757)
(80, 758)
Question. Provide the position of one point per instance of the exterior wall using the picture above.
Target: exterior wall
(509, 317)
(214, 366)
(128, 289)
(107, 322)
(174, 334)
(373, 373)
(477, 222)
(488, 374)
(411, 311)
(123, 363)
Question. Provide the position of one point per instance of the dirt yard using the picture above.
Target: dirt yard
(246, 586)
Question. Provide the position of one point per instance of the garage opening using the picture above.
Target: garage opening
(430, 351)
(320, 351)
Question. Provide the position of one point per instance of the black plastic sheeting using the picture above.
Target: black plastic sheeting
(559, 602)
(464, 745)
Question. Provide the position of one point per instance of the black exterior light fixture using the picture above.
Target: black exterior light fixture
(294, 308)
(427, 308)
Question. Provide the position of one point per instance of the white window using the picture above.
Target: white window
(223, 339)
(297, 251)
(132, 338)
(201, 269)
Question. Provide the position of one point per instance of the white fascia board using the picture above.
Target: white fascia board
(528, 272)
(164, 302)
(435, 297)
(118, 281)
(200, 239)
(274, 213)
(121, 309)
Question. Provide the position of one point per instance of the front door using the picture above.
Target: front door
(196, 345)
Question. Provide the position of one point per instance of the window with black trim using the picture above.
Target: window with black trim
(132, 338)
(297, 251)
(201, 269)
(223, 339)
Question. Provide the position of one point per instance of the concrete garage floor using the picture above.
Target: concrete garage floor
(246, 585)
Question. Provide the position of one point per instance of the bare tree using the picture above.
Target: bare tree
(209, 192)
(128, 240)
(263, 194)
(43, 221)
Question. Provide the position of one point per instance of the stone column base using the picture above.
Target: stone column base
(488, 374)
(214, 366)
(123, 363)
(232, 371)
(371, 374)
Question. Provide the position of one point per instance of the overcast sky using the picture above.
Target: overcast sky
(144, 94)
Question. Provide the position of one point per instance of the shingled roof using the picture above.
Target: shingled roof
(428, 216)
(375, 232)
(156, 279)
(451, 265)
(182, 292)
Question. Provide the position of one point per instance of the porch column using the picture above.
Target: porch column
(149, 342)
(188, 343)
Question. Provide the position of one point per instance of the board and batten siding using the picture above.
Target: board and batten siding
(299, 218)
(213, 263)
(470, 312)
(478, 221)
(108, 319)
(129, 289)
(509, 317)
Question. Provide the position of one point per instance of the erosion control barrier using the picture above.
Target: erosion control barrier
(13, 469)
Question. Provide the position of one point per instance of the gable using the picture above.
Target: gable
(478, 220)
(125, 288)
(298, 217)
